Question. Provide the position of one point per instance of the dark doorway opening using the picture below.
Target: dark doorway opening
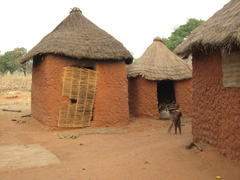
(166, 94)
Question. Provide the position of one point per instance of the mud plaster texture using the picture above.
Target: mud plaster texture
(47, 89)
(111, 99)
(183, 95)
(143, 100)
(47, 86)
(216, 109)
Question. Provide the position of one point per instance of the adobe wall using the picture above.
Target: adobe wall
(183, 95)
(143, 100)
(47, 86)
(39, 95)
(216, 109)
(47, 89)
(111, 99)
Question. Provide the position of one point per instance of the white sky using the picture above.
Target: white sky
(135, 23)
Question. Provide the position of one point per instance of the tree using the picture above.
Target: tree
(10, 61)
(181, 33)
(17, 55)
(3, 65)
(27, 67)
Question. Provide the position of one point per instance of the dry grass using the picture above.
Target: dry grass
(16, 82)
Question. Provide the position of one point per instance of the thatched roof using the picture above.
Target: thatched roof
(79, 38)
(159, 63)
(220, 32)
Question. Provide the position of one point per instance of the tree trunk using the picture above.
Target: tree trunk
(24, 69)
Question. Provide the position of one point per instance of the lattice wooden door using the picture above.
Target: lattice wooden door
(79, 84)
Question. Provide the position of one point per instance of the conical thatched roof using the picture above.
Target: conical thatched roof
(79, 38)
(159, 63)
(221, 31)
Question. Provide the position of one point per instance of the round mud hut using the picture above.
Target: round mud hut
(159, 78)
(79, 76)
(215, 47)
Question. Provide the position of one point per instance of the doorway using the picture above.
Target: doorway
(166, 94)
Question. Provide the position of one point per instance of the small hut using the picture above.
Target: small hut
(215, 46)
(158, 78)
(79, 76)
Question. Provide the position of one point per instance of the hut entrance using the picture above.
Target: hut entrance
(79, 84)
(166, 95)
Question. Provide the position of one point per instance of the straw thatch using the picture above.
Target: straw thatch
(159, 63)
(220, 32)
(79, 38)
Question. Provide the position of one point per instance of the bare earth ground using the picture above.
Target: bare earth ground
(142, 150)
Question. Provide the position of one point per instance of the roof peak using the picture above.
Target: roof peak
(79, 38)
(75, 9)
(157, 39)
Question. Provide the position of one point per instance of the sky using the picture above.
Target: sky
(135, 23)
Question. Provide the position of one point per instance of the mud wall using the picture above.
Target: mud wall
(183, 95)
(143, 100)
(111, 99)
(47, 89)
(47, 85)
(39, 92)
(216, 109)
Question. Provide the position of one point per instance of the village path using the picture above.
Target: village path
(142, 150)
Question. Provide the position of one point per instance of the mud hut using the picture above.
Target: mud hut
(159, 77)
(79, 76)
(215, 46)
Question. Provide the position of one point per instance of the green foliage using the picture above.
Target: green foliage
(3, 65)
(10, 61)
(11, 64)
(181, 33)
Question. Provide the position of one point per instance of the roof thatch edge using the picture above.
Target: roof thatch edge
(220, 32)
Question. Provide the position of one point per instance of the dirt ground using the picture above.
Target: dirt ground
(142, 150)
